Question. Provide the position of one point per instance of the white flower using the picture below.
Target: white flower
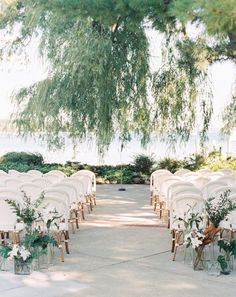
(200, 235)
(14, 251)
(188, 236)
(24, 253)
(195, 242)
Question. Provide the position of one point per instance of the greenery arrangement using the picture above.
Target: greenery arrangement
(35, 242)
(218, 208)
(229, 247)
(28, 212)
(197, 236)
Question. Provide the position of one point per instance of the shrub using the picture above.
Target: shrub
(22, 158)
(170, 164)
(194, 162)
(144, 163)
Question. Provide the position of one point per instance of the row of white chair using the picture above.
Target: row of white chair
(184, 190)
(67, 195)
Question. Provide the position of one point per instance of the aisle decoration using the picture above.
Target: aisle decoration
(35, 241)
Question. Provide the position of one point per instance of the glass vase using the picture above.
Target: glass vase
(43, 261)
(198, 258)
(213, 268)
(4, 264)
(22, 267)
(51, 254)
(188, 256)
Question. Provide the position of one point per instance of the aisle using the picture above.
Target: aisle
(124, 208)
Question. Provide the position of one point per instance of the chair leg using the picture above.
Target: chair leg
(66, 236)
(82, 211)
(168, 218)
(2, 238)
(94, 199)
(177, 241)
(59, 244)
(151, 198)
(172, 240)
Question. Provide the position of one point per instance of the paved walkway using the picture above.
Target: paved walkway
(119, 252)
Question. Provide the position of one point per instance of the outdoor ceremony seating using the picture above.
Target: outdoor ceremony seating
(191, 190)
(64, 196)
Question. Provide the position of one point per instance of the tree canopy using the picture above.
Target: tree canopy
(99, 78)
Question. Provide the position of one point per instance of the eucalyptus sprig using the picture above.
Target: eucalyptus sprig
(28, 211)
(191, 219)
(218, 208)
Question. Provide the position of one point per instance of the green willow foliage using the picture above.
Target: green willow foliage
(99, 78)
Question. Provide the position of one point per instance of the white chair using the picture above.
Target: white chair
(154, 178)
(230, 180)
(8, 218)
(204, 172)
(91, 175)
(226, 171)
(73, 198)
(3, 177)
(42, 182)
(184, 191)
(24, 177)
(13, 183)
(58, 173)
(13, 172)
(217, 192)
(155, 183)
(81, 192)
(86, 180)
(35, 173)
(178, 209)
(187, 176)
(53, 178)
(182, 171)
(164, 186)
(175, 187)
(61, 195)
(31, 190)
(160, 171)
(210, 187)
(215, 175)
(52, 201)
(79, 185)
(199, 181)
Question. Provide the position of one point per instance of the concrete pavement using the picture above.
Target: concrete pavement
(121, 250)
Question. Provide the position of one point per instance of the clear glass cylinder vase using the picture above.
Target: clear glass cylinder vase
(198, 258)
(22, 267)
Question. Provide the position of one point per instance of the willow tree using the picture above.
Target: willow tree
(99, 79)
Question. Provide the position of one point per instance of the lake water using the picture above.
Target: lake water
(86, 152)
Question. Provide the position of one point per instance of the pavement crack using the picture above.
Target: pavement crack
(127, 261)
